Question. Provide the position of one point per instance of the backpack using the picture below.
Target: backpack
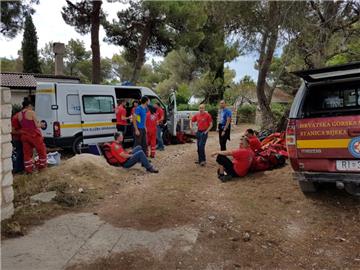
(106, 149)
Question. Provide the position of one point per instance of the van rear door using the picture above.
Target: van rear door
(98, 120)
(328, 127)
(46, 107)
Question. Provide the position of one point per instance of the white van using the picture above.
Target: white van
(77, 115)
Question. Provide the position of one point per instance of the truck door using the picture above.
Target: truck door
(46, 107)
(172, 118)
(98, 120)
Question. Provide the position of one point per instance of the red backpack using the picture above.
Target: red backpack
(106, 148)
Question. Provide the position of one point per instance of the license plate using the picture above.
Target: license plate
(348, 165)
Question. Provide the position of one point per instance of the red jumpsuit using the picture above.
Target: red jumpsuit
(31, 138)
(151, 123)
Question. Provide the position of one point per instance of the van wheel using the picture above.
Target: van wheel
(353, 189)
(76, 146)
(308, 187)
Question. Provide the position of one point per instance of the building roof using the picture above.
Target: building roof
(28, 80)
(18, 80)
(280, 96)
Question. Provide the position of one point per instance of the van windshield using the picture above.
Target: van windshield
(332, 100)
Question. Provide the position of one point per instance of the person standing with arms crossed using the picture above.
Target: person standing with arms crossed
(205, 123)
(139, 122)
(224, 125)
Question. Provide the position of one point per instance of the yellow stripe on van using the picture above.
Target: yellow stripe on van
(327, 143)
(100, 124)
(45, 91)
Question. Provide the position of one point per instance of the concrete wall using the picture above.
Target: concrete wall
(6, 177)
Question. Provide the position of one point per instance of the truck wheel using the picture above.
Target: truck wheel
(76, 146)
(353, 189)
(307, 187)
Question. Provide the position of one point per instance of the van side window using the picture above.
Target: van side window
(97, 104)
(73, 104)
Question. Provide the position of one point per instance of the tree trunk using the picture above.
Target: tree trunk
(140, 57)
(268, 45)
(281, 125)
(267, 117)
(95, 46)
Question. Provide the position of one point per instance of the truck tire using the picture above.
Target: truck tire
(353, 189)
(76, 145)
(308, 187)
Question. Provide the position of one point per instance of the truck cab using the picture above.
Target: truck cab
(323, 133)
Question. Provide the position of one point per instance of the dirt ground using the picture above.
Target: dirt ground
(262, 221)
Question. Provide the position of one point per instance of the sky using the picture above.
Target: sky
(51, 27)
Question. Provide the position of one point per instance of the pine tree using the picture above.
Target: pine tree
(31, 62)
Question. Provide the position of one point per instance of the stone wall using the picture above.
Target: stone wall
(7, 192)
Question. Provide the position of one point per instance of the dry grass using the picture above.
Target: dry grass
(78, 181)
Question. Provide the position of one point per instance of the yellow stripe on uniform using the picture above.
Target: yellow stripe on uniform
(45, 91)
(100, 124)
(326, 143)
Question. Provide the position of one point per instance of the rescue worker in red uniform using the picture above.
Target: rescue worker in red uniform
(31, 138)
(121, 119)
(240, 164)
(160, 127)
(205, 123)
(254, 141)
(129, 159)
(18, 158)
(151, 129)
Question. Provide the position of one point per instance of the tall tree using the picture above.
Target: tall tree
(154, 27)
(75, 52)
(263, 26)
(86, 16)
(325, 30)
(216, 48)
(47, 59)
(31, 62)
(13, 14)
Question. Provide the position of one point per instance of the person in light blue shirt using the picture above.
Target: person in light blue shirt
(139, 122)
(224, 125)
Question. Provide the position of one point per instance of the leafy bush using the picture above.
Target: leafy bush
(213, 110)
(246, 113)
(187, 107)
(16, 108)
(278, 110)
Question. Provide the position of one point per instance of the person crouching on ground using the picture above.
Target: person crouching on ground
(151, 126)
(205, 123)
(254, 141)
(129, 159)
(239, 165)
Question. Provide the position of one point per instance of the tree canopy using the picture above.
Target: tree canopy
(31, 62)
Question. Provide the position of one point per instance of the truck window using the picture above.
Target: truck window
(45, 109)
(97, 104)
(73, 104)
(332, 100)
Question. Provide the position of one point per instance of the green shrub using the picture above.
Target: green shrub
(16, 108)
(278, 110)
(213, 110)
(187, 107)
(246, 114)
